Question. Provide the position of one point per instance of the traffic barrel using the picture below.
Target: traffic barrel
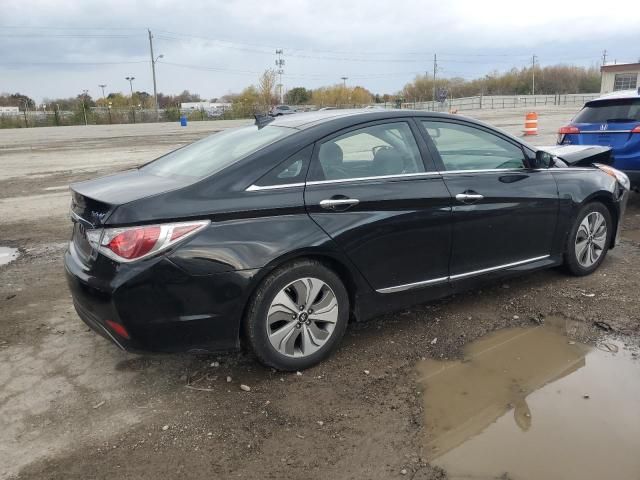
(531, 124)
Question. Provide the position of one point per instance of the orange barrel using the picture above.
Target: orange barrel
(531, 124)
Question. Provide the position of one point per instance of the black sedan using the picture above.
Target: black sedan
(276, 234)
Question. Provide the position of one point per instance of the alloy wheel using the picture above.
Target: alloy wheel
(591, 239)
(302, 317)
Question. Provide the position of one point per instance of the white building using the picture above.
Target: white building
(204, 106)
(9, 111)
(620, 76)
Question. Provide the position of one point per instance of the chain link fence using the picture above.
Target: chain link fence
(105, 116)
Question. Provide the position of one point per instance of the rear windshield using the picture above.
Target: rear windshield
(603, 111)
(212, 154)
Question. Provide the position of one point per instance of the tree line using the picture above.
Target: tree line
(557, 79)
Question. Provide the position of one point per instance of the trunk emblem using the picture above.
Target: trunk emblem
(603, 126)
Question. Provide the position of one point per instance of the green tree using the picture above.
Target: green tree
(298, 96)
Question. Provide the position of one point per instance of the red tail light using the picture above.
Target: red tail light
(568, 130)
(636, 129)
(117, 328)
(127, 244)
(135, 242)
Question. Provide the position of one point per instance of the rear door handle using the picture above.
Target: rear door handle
(469, 197)
(339, 203)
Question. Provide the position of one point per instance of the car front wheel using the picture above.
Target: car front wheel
(588, 241)
(297, 316)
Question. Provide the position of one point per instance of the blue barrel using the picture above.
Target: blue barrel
(183, 121)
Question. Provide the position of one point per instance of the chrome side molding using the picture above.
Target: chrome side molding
(459, 276)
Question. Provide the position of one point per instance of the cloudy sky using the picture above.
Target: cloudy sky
(57, 48)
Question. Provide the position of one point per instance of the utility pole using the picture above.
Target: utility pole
(280, 71)
(533, 75)
(435, 69)
(102, 87)
(153, 72)
(604, 57)
(133, 110)
(26, 106)
(84, 109)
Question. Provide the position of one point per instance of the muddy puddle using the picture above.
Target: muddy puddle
(532, 404)
(7, 255)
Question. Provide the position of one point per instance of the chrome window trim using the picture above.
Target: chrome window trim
(440, 174)
(487, 170)
(257, 188)
(378, 177)
(459, 276)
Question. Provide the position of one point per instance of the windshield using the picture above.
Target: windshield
(603, 111)
(213, 153)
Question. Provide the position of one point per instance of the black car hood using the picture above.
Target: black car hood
(576, 155)
(95, 200)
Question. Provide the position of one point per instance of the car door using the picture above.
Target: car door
(370, 189)
(504, 212)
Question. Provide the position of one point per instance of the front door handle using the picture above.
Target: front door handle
(339, 203)
(469, 197)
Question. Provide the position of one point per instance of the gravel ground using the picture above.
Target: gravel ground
(75, 407)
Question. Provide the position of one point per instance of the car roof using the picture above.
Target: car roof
(620, 94)
(302, 121)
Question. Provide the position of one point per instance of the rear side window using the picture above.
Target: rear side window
(603, 111)
(379, 150)
(212, 154)
(292, 170)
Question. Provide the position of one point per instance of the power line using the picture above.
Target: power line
(72, 63)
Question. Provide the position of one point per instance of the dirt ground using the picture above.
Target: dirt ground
(72, 406)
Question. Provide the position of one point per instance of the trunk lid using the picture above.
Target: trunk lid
(615, 134)
(94, 201)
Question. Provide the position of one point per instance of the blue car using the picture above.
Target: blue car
(612, 120)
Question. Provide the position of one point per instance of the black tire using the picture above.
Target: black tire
(255, 321)
(571, 261)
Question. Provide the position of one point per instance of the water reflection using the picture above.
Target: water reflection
(518, 404)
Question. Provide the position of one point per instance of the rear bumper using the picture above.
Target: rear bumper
(163, 308)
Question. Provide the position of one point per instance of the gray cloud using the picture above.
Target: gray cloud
(214, 47)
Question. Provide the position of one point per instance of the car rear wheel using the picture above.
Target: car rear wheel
(588, 241)
(297, 316)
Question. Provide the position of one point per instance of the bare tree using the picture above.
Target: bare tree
(266, 88)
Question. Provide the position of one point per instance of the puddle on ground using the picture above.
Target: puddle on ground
(516, 407)
(7, 255)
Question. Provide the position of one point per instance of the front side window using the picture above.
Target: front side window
(625, 81)
(378, 150)
(212, 154)
(467, 148)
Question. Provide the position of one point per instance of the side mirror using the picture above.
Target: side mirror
(543, 159)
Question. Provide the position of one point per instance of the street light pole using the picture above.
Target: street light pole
(153, 71)
(102, 87)
(133, 110)
(84, 108)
